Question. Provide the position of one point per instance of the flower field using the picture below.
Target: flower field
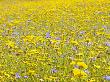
(54, 40)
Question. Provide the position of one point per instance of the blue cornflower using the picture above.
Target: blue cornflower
(48, 35)
(53, 70)
(106, 77)
(82, 32)
(104, 26)
(58, 38)
(17, 75)
(107, 44)
(25, 76)
(76, 66)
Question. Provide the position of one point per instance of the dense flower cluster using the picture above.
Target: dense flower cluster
(54, 40)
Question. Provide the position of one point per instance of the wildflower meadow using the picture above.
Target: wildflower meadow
(54, 40)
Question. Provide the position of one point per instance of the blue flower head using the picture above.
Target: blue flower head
(48, 35)
(25, 76)
(106, 77)
(107, 44)
(17, 75)
(53, 70)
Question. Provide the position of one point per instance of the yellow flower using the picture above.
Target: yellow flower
(97, 66)
(31, 28)
(73, 63)
(1, 65)
(91, 80)
(73, 79)
(99, 33)
(10, 44)
(88, 40)
(78, 59)
(32, 72)
(33, 51)
(7, 75)
(53, 41)
(108, 68)
(38, 38)
(47, 78)
(50, 78)
(79, 73)
(82, 64)
(1, 31)
(28, 38)
(74, 42)
(107, 36)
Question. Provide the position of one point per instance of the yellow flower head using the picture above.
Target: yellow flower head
(28, 38)
(32, 72)
(10, 43)
(73, 63)
(91, 80)
(74, 42)
(79, 73)
(97, 66)
(82, 64)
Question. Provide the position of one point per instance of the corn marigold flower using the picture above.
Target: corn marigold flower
(10, 43)
(73, 63)
(91, 80)
(97, 66)
(79, 73)
(82, 64)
